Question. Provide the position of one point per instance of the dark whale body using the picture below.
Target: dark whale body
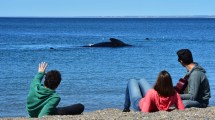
(113, 43)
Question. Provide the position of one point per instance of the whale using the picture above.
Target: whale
(113, 43)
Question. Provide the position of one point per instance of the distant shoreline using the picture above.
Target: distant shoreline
(192, 16)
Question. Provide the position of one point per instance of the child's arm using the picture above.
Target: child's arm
(39, 76)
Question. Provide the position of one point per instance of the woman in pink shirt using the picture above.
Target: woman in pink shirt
(143, 98)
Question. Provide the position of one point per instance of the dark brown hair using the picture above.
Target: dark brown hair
(164, 85)
(52, 79)
(185, 55)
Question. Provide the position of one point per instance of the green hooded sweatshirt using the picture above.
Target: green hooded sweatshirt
(41, 101)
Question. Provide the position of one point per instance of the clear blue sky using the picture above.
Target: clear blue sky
(75, 8)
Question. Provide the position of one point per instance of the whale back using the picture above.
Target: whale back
(116, 41)
(113, 43)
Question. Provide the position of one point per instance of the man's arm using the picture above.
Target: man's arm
(195, 81)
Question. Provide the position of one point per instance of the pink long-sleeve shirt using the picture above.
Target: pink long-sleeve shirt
(153, 102)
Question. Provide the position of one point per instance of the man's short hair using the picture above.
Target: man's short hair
(185, 56)
(52, 79)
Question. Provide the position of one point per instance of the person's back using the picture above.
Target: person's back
(153, 102)
(203, 94)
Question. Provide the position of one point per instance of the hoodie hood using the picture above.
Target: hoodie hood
(164, 102)
(43, 92)
(197, 67)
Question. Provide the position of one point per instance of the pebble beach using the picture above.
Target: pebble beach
(116, 114)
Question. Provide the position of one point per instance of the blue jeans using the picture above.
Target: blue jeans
(191, 103)
(135, 90)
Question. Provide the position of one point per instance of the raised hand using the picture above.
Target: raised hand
(42, 67)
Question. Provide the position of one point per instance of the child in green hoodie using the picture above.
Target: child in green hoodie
(43, 100)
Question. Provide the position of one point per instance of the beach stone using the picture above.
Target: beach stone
(116, 114)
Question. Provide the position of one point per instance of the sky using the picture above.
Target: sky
(80, 8)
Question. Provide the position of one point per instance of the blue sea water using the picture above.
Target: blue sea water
(97, 77)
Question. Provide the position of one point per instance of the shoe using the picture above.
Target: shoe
(126, 110)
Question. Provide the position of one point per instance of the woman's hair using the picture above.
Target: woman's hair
(164, 85)
(52, 79)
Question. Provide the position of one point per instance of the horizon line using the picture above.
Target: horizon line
(155, 16)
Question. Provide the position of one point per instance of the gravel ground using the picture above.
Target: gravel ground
(116, 114)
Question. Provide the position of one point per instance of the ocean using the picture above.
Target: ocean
(97, 77)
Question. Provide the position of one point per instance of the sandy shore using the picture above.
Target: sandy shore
(116, 114)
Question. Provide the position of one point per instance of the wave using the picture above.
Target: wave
(37, 47)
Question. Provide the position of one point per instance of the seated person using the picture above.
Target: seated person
(144, 99)
(197, 92)
(43, 100)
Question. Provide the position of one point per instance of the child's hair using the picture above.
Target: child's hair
(185, 55)
(164, 85)
(52, 79)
